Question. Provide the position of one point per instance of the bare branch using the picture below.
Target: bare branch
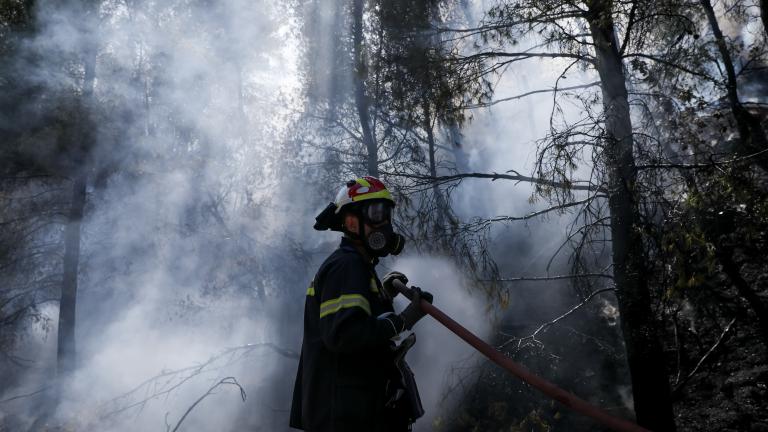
(628, 31)
(497, 176)
(549, 278)
(672, 65)
(172, 380)
(548, 324)
(520, 96)
(26, 395)
(486, 222)
(712, 164)
(524, 55)
(227, 380)
(706, 355)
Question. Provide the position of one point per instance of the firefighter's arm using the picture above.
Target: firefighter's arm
(346, 322)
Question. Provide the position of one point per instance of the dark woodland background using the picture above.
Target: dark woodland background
(582, 183)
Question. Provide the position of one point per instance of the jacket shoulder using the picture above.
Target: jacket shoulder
(341, 257)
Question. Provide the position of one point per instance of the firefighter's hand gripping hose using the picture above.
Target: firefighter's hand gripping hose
(569, 400)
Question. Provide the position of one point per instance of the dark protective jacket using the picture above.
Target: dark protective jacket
(346, 357)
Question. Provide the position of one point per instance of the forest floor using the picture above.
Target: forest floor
(731, 393)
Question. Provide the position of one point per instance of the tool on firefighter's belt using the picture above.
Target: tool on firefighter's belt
(407, 393)
(571, 401)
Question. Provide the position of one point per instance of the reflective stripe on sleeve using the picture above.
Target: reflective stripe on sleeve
(311, 289)
(374, 287)
(343, 302)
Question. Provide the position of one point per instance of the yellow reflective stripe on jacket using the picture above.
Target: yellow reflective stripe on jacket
(374, 287)
(311, 290)
(344, 302)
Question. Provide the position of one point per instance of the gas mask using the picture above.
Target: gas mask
(381, 240)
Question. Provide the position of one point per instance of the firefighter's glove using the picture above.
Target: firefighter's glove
(412, 313)
(387, 283)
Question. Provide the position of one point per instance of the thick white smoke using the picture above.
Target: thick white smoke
(186, 246)
(199, 242)
(439, 356)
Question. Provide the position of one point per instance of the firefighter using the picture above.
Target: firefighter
(346, 380)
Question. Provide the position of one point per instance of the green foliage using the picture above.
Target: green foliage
(418, 69)
(727, 210)
(15, 13)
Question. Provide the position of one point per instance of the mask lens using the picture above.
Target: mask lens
(378, 212)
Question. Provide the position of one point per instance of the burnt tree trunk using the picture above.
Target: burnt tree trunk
(66, 353)
(68, 302)
(650, 384)
(752, 137)
(361, 97)
(431, 146)
(443, 217)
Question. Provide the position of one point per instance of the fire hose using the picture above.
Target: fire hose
(549, 389)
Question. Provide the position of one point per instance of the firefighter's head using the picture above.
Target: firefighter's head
(362, 210)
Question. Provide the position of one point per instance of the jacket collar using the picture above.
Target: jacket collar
(348, 245)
